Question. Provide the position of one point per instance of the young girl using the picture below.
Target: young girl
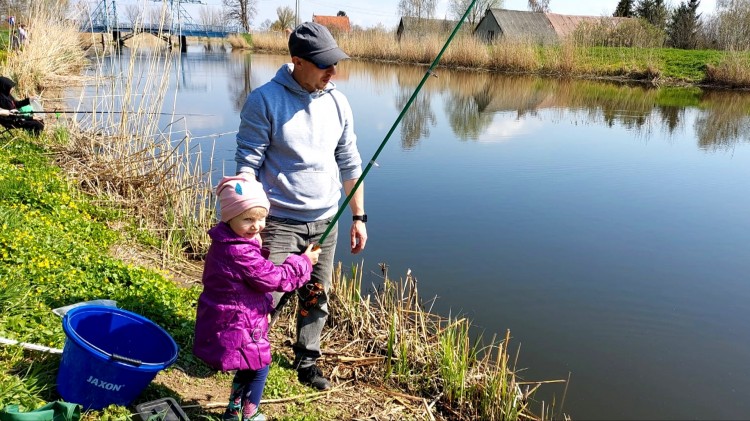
(231, 326)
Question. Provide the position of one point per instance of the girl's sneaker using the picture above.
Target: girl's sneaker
(256, 417)
(230, 415)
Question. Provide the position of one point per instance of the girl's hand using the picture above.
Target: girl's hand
(313, 254)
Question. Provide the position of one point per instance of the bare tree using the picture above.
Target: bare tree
(457, 8)
(265, 25)
(210, 16)
(286, 19)
(539, 6)
(730, 27)
(417, 8)
(21, 8)
(160, 16)
(134, 15)
(241, 11)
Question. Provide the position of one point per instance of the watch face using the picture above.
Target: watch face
(362, 218)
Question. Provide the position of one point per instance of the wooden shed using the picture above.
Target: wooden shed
(335, 24)
(516, 25)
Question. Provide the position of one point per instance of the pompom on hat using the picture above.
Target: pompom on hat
(239, 193)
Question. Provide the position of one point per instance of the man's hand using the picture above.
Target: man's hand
(358, 236)
(4, 112)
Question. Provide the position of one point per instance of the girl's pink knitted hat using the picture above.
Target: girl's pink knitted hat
(239, 193)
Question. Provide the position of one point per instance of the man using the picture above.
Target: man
(10, 117)
(297, 136)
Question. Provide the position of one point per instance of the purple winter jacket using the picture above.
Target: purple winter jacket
(231, 326)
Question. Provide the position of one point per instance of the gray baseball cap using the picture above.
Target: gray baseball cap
(313, 42)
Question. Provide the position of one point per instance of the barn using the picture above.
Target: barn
(516, 25)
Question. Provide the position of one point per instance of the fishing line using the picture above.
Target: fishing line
(113, 112)
(428, 73)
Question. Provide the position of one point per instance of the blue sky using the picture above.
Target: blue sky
(367, 13)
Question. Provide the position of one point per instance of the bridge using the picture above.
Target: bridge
(176, 21)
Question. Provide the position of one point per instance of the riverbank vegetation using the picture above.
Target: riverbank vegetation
(57, 247)
(658, 66)
(112, 205)
(658, 45)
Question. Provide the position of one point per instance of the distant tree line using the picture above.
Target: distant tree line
(659, 23)
(683, 27)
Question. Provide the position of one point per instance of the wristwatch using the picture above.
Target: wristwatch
(362, 218)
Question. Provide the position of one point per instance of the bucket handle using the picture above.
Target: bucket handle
(114, 357)
(123, 359)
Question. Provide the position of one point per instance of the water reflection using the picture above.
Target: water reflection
(240, 79)
(724, 121)
(601, 233)
(472, 99)
(417, 121)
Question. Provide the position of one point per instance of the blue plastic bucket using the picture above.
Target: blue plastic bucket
(110, 356)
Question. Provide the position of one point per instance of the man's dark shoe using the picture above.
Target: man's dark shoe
(312, 376)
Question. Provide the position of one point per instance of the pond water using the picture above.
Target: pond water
(607, 226)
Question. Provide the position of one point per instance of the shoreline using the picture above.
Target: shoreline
(654, 67)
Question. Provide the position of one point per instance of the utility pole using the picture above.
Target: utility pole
(296, 15)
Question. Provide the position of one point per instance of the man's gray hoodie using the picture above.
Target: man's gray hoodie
(300, 145)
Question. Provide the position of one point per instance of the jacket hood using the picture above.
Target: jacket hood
(284, 78)
(6, 85)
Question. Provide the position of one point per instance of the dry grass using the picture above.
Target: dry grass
(237, 41)
(733, 71)
(123, 152)
(53, 55)
(124, 155)
(390, 339)
(464, 51)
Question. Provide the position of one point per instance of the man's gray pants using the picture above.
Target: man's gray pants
(283, 237)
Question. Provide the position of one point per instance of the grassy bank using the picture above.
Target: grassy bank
(57, 247)
(660, 66)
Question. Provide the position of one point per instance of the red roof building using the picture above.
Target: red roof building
(334, 23)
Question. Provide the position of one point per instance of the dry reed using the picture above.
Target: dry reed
(124, 152)
(52, 56)
(390, 337)
(733, 71)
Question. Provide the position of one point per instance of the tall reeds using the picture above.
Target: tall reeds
(733, 71)
(630, 50)
(431, 357)
(123, 146)
(52, 56)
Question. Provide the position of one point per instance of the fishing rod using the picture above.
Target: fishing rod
(107, 112)
(285, 298)
(427, 74)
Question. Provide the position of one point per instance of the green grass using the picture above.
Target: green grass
(53, 252)
(682, 65)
